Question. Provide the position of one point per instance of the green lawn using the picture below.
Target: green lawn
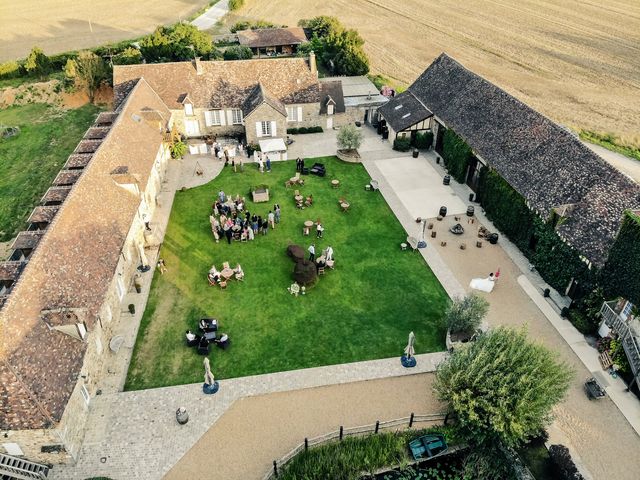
(31, 160)
(362, 310)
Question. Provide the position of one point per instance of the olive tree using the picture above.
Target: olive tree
(502, 389)
(349, 138)
(464, 315)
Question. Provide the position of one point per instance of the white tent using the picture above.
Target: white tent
(274, 148)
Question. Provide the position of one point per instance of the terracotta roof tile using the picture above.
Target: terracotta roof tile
(77, 160)
(55, 194)
(67, 177)
(271, 37)
(42, 214)
(222, 84)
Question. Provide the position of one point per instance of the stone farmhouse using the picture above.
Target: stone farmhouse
(63, 294)
(251, 99)
(544, 162)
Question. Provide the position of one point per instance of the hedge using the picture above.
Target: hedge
(10, 69)
(402, 144)
(423, 140)
(456, 154)
(621, 274)
(303, 130)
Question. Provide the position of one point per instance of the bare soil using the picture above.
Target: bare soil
(51, 92)
(577, 62)
(64, 25)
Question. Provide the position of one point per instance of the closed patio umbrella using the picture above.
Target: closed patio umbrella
(208, 376)
(409, 350)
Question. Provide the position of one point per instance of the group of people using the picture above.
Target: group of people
(299, 165)
(215, 276)
(230, 220)
(262, 162)
(324, 260)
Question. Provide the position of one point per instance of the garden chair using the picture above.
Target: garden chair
(223, 284)
(320, 270)
(225, 265)
(296, 193)
(211, 282)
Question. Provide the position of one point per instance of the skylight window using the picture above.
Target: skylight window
(398, 107)
(406, 115)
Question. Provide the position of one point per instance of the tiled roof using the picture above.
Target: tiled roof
(66, 177)
(222, 84)
(42, 214)
(271, 37)
(10, 270)
(544, 162)
(55, 194)
(403, 111)
(78, 160)
(257, 97)
(72, 268)
(331, 90)
(27, 240)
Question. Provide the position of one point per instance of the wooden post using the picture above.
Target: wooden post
(306, 444)
(411, 420)
(275, 468)
(377, 426)
(341, 432)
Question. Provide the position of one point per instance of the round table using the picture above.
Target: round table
(227, 273)
(335, 183)
(344, 206)
(298, 198)
(293, 179)
(308, 224)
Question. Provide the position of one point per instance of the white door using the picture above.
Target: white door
(191, 127)
(329, 123)
(120, 287)
(202, 149)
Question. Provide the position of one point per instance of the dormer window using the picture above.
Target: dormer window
(188, 109)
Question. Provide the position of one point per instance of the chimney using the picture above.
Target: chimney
(198, 65)
(312, 63)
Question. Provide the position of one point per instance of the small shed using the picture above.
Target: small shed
(272, 41)
(274, 148)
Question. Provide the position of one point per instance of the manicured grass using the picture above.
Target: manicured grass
(362, 310)
(31, 160)
(611, 142)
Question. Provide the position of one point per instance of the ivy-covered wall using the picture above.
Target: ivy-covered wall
(556, 261)
(456, 154)
(621, 274)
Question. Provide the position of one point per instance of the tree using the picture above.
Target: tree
(179, 42)
(235, 4)
(91, 71)
(238, 52)
(129, 56)
(70, 70)
(464, 315)
(37, 63)
(349, 138)
(502, 388)
(321, 26)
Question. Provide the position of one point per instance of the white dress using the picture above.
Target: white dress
(483, 284)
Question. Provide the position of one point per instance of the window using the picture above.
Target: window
(120, 287)
(212, 117)
(236, 116)
(266, 129)
(85, 394)
(626, 311)
(292, 114)
(188, 109)
(330, 109)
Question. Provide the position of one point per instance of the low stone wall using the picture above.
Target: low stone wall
(348, 156)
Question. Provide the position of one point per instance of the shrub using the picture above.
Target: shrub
(465, 314)
(456, 154)
(303, 130)
(423, 140)
(621, 274)
(9, 69)
(178, 42)
(178, 149)
(292, 131)
(91, 72)
(37, 63)
(235, 4)
(561, 457)
(129, 56)
(316, 129)
(349, 138)
(237, 52)
(402, 144)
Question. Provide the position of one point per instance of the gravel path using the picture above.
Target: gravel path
(257, 430)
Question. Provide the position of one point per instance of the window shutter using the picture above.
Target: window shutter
(273, 128)
(299, 114)
(229, 117)
(208, 120)
(222, 114)
(258, 129)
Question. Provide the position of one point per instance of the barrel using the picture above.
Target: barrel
(470, 211)
(493, 238)
(446, 180)
(443, 211)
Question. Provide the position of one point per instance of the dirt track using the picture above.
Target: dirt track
(62, 25)
(576, 62)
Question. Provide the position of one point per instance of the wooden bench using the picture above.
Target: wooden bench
(605, 360)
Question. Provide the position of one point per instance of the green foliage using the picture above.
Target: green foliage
(619, 357)
(337, 48)
(349, 137)
(303, 130)
(178, 42)
(91, 72)
(70, 72)
(255, 25)
(611, 142)
(585, 316)
(465, 314)
(621, 274)
(178, 149)
(402, 144)
(502, 387)
(9, 69)
(235, 4)
(129, 56)
(565, 466)
(37, 63)
(456, 155)
(423, 140)
(238, 52)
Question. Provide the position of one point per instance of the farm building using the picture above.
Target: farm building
(272, 42)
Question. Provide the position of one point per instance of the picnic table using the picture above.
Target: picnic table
(227, 273)
(298, 198)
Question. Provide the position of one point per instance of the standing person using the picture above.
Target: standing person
(221, 196)
(312, 252)
(250, 235)
(272, 219)
(302, 165)
(259, 224)
(298, 165)
(216, 149)
(268, 164)
(227, 232)
(233, 164)
(161, 266)
(319, 230)
(329, 253)
(226, 156)
(265, 226)
(260, 164)
(219, 154)
(241, 165)
(254, 223)
(276, 212)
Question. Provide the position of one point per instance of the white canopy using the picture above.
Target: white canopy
(272, 145)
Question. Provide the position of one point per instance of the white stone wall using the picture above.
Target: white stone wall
(264, 113)
(310, 116)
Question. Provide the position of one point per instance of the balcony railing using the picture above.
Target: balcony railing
(625, 333)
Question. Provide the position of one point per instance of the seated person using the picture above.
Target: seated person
(331, 263)
(309, 201)
(208, 324)
(223, 341)
(239, 272)
(192, 338)
(321, 261)
(214, 277)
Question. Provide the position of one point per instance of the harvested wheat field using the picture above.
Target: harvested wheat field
(61, 25)
(578, 62)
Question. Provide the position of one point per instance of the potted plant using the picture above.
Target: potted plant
(464, 318)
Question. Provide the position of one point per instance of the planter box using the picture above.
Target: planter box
(351, 156)
(261, 195)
